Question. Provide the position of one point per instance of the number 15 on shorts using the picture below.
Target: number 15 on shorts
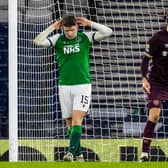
(84, 99)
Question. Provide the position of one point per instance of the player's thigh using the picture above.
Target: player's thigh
(155, 96)
(154, 101)
(82, 97)
(66, 101)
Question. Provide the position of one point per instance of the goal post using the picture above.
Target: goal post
(13, 103)
(112, 131)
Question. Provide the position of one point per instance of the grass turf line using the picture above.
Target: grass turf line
(83, 165)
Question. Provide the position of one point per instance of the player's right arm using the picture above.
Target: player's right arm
(149, 53)
(42, 38)
(144, 69)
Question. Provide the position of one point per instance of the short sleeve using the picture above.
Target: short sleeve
(90, 36)
(152, 45)
(53, 39)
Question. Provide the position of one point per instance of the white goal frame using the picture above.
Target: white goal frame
(13, 116)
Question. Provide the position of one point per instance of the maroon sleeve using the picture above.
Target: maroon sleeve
(150, 52)
(152, 45)
(144, 66)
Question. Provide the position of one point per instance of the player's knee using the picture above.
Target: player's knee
(155, 118)
(154, 110)
(77, 117)
(77, 121)
(154, 114)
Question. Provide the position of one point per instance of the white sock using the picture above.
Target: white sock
(144, 154)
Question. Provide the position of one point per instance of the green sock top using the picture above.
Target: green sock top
(69, 132)
(74, 146)
(77, 129)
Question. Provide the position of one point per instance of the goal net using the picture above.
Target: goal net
(113, 130)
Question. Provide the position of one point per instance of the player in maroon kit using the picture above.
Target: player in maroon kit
(155, 82)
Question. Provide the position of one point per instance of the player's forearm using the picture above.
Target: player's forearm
(103, 31)
(41, 39)
(144, 66)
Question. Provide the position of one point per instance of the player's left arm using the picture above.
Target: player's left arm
(102, 32)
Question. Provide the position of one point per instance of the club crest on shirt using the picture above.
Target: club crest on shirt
(78, 39)
(147, 46)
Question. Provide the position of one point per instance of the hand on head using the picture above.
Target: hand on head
(58, 24)
(81, 21)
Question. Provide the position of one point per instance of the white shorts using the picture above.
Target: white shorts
(74, 97)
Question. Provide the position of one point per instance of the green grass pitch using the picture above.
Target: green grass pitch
(83, 165)
(108, 150)
(108, 160)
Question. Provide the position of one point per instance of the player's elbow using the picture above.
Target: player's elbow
(41, 43)
(36, 42)
(108, 32)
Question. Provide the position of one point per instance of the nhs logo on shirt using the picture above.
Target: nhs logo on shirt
(70, 49)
